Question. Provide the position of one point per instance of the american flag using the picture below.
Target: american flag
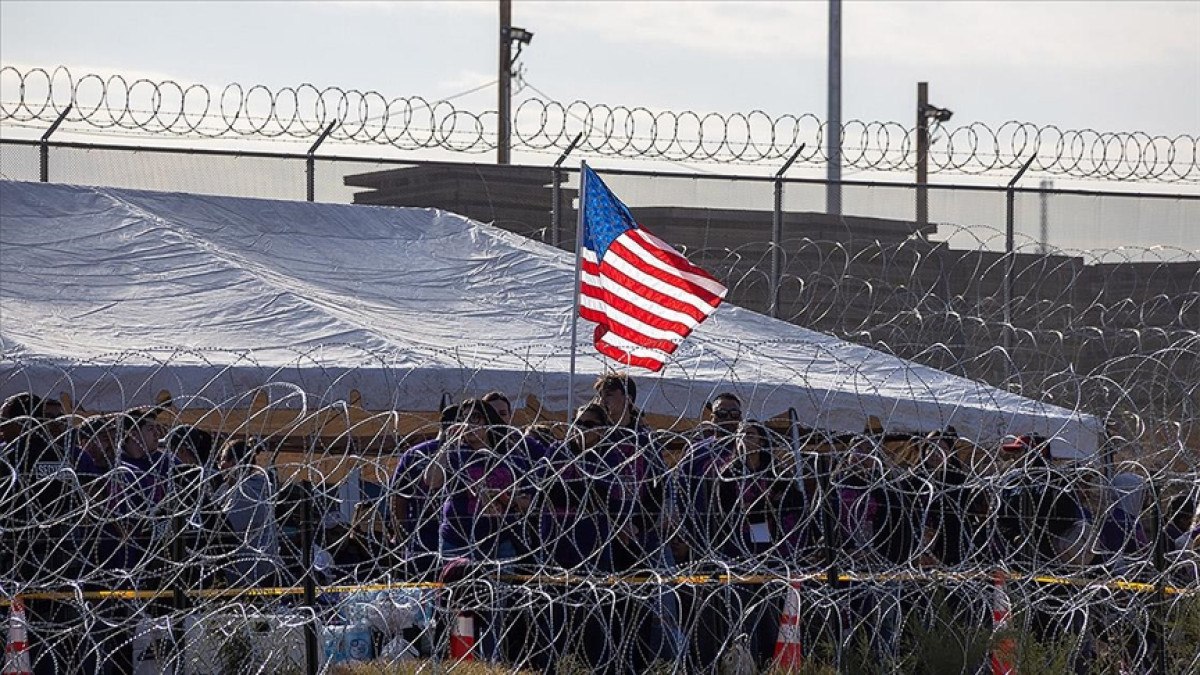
(643, 295)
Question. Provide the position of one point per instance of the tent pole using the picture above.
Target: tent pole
(578, 275)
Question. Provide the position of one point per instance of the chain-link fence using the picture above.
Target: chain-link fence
(274, 528)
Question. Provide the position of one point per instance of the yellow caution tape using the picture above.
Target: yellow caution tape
(565, 580)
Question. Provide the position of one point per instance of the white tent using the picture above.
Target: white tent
(114, 295)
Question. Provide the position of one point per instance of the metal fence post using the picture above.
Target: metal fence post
(1010, 198)
(44, 147)
(310, 172)
(555, 193)
(777, 234)
(833, 103)
(829, 515)
(308, 580)
(178, 557)
(1159, 622)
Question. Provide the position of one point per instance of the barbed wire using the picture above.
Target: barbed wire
(137, 533)
(662, 547)
(116, 103)
(610, 548)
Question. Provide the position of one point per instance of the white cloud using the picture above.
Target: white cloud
(475, 8)
(1058, 34)
(1044, 34)
(741, 29)
(79, 70)
(982, 33)
(464, 79)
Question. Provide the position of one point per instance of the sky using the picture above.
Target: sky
(1113, 66)
(1105, 66)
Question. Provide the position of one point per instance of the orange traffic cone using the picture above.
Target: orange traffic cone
(462, 638)
(789, 653)
(16, 652)
(1004, 653)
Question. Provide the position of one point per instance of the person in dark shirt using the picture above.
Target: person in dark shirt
(575, 538)
(485, 493)
(42, 511)
(694, 496)
(1181, 529)
(1182, 534)
(197, 520)
(617, 392)
(760, 505)
(574, 527)
(414, 508)
(1039, 528)
(1040, 512)
(39, 511)
(358, 553)
(952, 504)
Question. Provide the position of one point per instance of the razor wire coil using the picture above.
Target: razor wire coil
(118, 104)
(120, 558)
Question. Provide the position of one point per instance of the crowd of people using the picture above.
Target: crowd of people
(121, 501)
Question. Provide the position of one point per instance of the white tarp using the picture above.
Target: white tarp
(114, 295)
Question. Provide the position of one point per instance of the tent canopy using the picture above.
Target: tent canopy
(114, 295)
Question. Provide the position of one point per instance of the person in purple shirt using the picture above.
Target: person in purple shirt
(634, 491)
(760, 502)
(531, 446)
(485, 501)
(693, 495)
(574, 533)
(761, 506)
(486, 495)
(127, 478)
(414, 509)
(573, 517)
(1123, 541)
(122, 469)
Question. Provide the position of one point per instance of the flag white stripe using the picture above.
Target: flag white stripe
(645, 238)
(646, 304)
(628, 269)
(616, 315)
(633, 349)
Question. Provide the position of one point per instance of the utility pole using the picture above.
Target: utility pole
(922, 156)
(925, 112)
(504, 107)
(833, 102)
(1046, 185)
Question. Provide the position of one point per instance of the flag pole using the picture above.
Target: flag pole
(578, 276)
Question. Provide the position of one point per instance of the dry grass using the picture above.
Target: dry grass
(425, 667)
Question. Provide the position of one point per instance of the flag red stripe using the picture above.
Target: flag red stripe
(651, 294)
(627, 331)
(644, 296)
(626, 358)
(620, 248)
(672, 258)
